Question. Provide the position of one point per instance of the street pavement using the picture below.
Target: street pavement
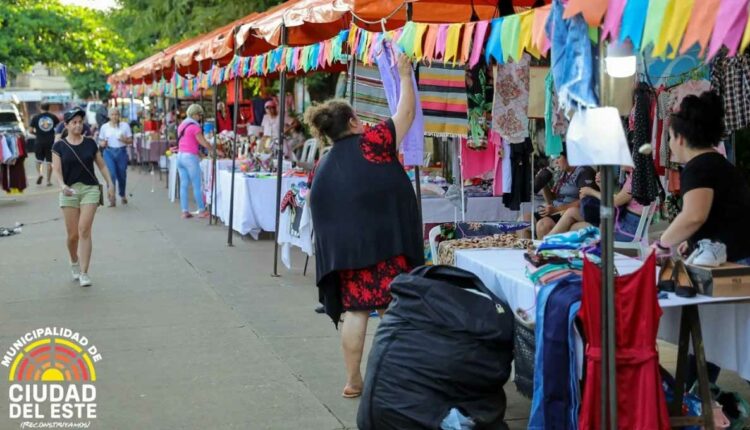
(193, 334)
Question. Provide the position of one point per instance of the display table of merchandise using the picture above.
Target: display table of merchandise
(221, 164)
(478, 209)
(503, 271)
(254, 200)
(144, 150)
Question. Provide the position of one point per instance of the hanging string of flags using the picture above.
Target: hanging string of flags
(661, 28)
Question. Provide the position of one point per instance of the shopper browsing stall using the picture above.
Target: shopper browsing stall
(73, 159)
(365, 213)
(716, 196)
(189, 138)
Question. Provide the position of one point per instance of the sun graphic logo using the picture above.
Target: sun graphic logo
(52, 375)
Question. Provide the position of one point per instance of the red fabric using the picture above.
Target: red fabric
(230, 92)
(640, 399)
(150, 125)
(370, 288)
(223, 122)
(378, 143)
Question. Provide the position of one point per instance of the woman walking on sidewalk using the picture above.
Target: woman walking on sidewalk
(364, 209)
(189, 139)
(114, 137)
(73, 166)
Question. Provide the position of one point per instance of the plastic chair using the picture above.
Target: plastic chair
(308, 151)
(641, 232)
(432, 236)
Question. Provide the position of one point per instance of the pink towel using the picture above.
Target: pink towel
(476, 163)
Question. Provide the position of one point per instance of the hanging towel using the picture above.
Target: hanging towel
(413, 143)
(552, 141)
(442, 93)
(511, 100)
(475, 163)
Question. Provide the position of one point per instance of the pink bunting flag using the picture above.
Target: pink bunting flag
(480, 32)
(538, 32)
(442, 36)
(430, 42)
(732, 18)
(613, 19)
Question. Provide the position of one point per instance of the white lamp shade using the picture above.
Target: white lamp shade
(620, 61)
(596, 138)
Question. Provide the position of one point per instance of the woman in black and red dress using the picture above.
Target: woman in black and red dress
(367, 228)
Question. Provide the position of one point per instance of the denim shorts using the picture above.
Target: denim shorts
(626, 226)
(85, 195)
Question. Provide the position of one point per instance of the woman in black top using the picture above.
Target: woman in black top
(716, 197)
(366, 218)
(73, 160)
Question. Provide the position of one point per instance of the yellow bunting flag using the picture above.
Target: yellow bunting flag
(676, 19)
(592, 10)
(745, 37)
(526, 42)
(451, 43)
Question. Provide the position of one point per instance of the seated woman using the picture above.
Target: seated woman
(564, 195)
(630, 214)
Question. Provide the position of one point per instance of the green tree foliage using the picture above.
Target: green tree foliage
(75, 39)
(150, 25)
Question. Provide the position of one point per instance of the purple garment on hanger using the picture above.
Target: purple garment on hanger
(413, 143)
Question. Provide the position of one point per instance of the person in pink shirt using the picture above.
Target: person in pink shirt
(189, 139)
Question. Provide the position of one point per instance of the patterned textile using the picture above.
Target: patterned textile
(370, 102)
(645, 186)
(442, 93)
(447, 249)
(479, 89)
(511, 102)
(378, 143)
(730, 77)
(370, 288)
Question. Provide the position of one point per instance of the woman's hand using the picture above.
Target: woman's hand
(586, 192)
(404, 66)
(67, 191)
(683, 248)
(546, 211)
(110, 192)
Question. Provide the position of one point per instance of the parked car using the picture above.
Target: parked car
(91, 110)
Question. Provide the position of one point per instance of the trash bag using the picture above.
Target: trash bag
(445, 342)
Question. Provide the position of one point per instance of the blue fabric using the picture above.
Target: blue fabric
(3, 76)
(536, 418)
(494, 47)
(570, 240)
(455, 420)
(559, 370)
(189, 169)
(573, 67)
(633, 22)
(626, 226)
(573, 380)
(117, 164)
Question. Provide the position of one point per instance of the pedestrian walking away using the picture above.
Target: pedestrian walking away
(73, 161)
(43, 127)
(114, 137)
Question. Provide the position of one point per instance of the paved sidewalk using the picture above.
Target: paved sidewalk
(194, 335)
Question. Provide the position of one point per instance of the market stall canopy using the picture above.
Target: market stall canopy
(437, 11)
(307, 21)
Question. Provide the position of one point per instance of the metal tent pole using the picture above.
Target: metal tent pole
(418, 182)
(608, 370)
(234, 152)
(214, 153)
(280, 166)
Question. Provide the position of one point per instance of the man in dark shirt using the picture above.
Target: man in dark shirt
(43, 127)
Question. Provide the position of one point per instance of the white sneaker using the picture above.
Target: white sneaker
(713, 254)
(75, 270)
(85, 280)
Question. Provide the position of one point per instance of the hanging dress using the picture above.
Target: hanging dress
(640, 399)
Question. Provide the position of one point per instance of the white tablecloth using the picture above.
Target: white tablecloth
(173, 192)
(254, 201)
(725, 322)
